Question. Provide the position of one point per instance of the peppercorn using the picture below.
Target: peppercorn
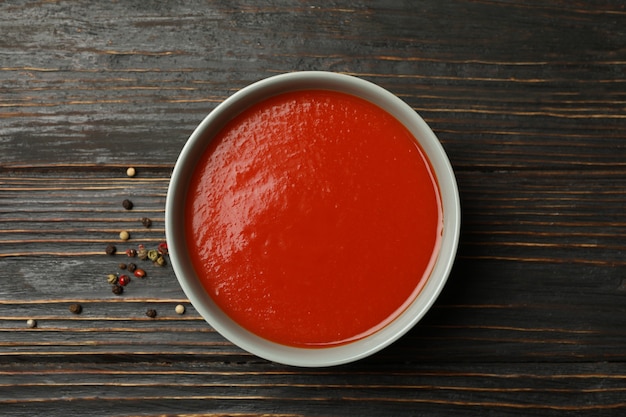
(142, 252)
(131, 267)
(123, 280)
(124, 235)
(159, 261)
(151, 313)
(122, 265)
(153, 255)
(131, 253)
(117, 289)
(76, 308)
(112, 279)
(146, 222)
(162, 248)
(140, 273)
(127, 204)
(131, 172)
(111, 249)
(180, 309)
(31, 323)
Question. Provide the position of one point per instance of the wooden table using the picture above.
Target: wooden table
(528, 99)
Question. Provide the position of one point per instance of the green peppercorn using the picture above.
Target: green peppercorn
(112, 279)
(159, 261)
(111, 249)
(153, 254)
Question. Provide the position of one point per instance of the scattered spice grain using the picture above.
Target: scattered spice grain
(162, 248)
(76, 308)
(142, 252)
(112, 279)
(153, 254)
(123, 280)
(157, 256)
(110, 250)
(159, 261)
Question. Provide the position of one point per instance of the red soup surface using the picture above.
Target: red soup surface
(313, 218)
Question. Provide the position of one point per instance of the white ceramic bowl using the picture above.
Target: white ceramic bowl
(175, 231)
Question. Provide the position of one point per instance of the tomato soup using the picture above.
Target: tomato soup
(313, 218)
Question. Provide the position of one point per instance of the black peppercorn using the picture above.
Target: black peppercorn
(76, 308)
(127, 204)
(131, 267)
(123, 266)
(146, 222)
(117, 289)
(111, 249)
(151, 313)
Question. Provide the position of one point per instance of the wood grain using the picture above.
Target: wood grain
(528, 100)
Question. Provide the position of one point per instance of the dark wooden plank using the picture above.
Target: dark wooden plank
(213, 389)
(527, 98)
(523, 238)
(543, 80)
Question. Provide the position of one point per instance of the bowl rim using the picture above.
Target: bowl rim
(174, 218)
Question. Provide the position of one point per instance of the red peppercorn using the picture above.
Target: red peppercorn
(162, 248)
(140, 273)
(131, 253)
(123, 280)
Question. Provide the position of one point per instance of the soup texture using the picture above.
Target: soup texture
(313, 218)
